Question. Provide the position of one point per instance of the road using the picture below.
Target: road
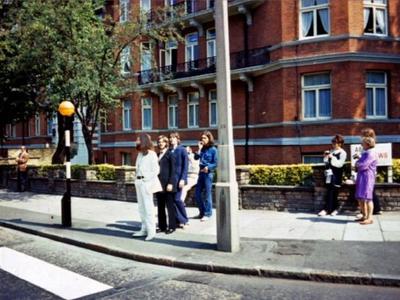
(85, 274)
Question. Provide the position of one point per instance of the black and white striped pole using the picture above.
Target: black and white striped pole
(67, 110)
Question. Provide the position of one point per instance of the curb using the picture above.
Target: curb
(306, 274)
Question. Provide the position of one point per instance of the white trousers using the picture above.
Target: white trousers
(191, 182)
(146, 208)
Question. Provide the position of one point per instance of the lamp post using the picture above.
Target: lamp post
(67, 110)
(226, 188)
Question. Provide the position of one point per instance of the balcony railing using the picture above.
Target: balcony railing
(239, 60)
(179, 8)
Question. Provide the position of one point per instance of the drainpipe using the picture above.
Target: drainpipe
(247, 97)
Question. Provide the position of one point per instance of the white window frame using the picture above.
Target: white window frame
(195, 115)
(211, 43)
(173, 118)
(145, 107)
(375, 86)
(211, 102)
(193, 4)
(315, 88)
(125, 58)
(37, 125)
(376, 6)
(145, 9)
(126, 159)
(11, 130)
(314, 9)
(123, 11)
(126, 115)
(191, 46)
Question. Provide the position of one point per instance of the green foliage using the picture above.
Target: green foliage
(43, 170)
(76, 170)
(281, 174)
(396, 170)
(104, 171)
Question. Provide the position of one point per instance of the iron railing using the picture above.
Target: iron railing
(238, 60)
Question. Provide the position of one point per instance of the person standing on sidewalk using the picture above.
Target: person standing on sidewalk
(181, 168)
(193, 173)
(168, 182)
(366, 173)
(369, 132)
(146, 184)
(22, 169)
(334, 162)
(208, 156)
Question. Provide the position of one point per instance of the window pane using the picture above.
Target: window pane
(311, 80)
(368, 20)
(307, 3)
(309, 104)
(307, 23)
(213, 113)
(380, 102)
(376, 77)
(325, 103)
(196, 121)
(322, 21)
(380, 21)
(147, 118)
(191, 115)
(370, 102)
(319, 2)
(313, 159)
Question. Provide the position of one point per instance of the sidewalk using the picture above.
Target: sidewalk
(276, 244)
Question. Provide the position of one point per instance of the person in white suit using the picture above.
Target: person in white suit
(146, 184)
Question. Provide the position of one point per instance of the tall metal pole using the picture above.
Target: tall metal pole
(226, 187)
(66, 199)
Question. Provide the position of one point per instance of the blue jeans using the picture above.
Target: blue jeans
(204, 203)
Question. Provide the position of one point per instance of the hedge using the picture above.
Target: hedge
(396, 170)
(300, 174)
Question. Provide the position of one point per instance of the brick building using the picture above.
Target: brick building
(302, 71)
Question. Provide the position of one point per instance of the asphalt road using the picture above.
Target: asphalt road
(133, 280)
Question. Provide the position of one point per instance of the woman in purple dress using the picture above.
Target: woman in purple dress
(366, 168)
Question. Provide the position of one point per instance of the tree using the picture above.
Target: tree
(75, 55)
(17, 91)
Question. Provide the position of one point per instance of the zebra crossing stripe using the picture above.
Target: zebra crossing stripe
(56, 280)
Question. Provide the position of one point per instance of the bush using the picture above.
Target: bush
(300, 174)
(396, 170)
(104, 171)
(76, 170)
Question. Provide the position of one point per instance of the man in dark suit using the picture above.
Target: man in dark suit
(181, 169)
(168, 182)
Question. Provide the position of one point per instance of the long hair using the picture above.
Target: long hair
(145, 143)
(175, 134)
(210, 138)
(164, 139)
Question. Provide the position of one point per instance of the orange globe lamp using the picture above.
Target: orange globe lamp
(66, 108)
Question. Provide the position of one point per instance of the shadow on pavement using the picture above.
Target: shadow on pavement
(325, 220)
(118, 233)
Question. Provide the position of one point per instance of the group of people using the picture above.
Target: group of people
(169, 173)
(366, 167)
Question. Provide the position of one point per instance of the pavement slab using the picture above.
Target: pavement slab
(275, 244)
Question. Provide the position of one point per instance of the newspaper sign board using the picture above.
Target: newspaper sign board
(383, 152)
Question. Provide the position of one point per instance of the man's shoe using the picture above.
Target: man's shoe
(334, 213)
(169, 231)
(204, 219)
(322, 213)
(149, 237)
(377, 213)
(198, 217)
(139, 234)
(158, 230)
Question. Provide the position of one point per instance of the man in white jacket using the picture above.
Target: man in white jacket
(146, 184)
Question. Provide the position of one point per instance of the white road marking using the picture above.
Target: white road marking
(59, 281)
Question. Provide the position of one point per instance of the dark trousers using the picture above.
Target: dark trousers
(22, 181)
(332, 194)
(377, 205)
(166, 199)
(181, 215)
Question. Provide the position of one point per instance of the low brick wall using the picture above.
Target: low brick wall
(279, 198)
